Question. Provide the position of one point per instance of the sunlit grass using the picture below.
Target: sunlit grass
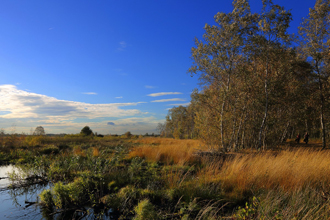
(166, 150)
(293, 178)
(96, 152)
(288, 170)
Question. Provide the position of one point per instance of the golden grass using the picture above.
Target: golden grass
(96, 152)
(288, 170)
(166, 150)
(78, 151)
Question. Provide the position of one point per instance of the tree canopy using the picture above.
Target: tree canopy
(258, 88)
(86, 131)
(39, 131)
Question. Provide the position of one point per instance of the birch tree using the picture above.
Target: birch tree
(315, 34)
(267, 45)
(221, 50)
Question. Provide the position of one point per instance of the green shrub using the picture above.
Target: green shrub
(112, 201)
(46, 198)
(145, 211)
(129, 192)
(61, 195)
(33, 141)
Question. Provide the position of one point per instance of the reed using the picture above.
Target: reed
(96, 152)
(287, 170)
(166, 150)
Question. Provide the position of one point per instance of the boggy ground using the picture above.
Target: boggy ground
(159, 178)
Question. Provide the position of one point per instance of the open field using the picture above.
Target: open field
(166, 179)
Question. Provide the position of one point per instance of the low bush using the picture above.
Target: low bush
(145, 211)
(46, 198)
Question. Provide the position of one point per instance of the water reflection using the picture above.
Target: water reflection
(22, 202)
(18, 203)
(4, 170)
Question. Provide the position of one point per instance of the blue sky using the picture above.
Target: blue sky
(115, 66)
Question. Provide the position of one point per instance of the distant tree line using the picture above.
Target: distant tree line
(260, 85)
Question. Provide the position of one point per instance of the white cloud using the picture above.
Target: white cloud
(123, 44)
(136, 125)
(90, 93)
(150, 87)
(22, 104)
(169, 100)
(164, 93)
(183, 104)
(27, 110)
(119, 97)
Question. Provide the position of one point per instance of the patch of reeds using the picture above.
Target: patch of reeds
(166, 175)
(166, 150)
(287, 170)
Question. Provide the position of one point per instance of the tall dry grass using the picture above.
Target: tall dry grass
(166, 150)
(288, 170)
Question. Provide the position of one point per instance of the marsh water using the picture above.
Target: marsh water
(22, 203)
(18, 203)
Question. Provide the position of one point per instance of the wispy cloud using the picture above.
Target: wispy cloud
(89, 93)
(150, 87)
(120, 72)
(177, 104)
(119, 97)
(51, 28)
(122, 45)
(169, 100)
(164, 93)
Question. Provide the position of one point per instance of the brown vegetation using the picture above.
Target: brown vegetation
(290, 170)
(166, 150)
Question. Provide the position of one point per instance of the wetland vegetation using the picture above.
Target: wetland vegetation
(136, 178)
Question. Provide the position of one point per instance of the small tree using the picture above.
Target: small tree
(128, 134)
(86, 131)
(39, 131)
(161, 129)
